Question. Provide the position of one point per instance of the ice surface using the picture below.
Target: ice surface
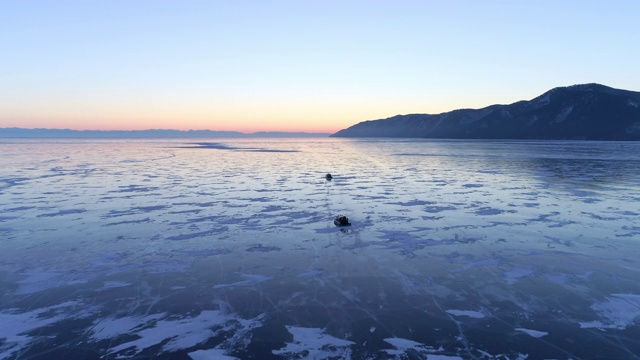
(227, 249)
(469, 313)
(249, 279)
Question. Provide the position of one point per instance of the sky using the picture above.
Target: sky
(303, 65)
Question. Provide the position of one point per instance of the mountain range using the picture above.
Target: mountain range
(578, 112)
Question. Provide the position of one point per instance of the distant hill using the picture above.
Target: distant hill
(579, 112)
(144, 134)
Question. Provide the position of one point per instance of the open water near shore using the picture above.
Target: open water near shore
(226, 248)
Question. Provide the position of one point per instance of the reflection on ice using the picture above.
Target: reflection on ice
(457, 249)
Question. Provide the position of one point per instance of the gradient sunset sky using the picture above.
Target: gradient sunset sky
(316, 66)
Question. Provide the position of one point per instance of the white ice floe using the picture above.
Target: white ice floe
(315, 344)
(469, 313)
(534, 333)
(617, 312)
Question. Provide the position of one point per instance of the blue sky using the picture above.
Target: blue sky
(297, 65)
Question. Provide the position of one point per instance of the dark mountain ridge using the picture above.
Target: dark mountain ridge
(578, 112)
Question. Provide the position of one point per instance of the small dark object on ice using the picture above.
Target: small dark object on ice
(328, 177)
(341, 221)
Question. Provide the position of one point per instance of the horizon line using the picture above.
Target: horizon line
(57, 133)
(163, 129)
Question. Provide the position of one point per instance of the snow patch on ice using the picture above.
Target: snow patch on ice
(558, 278)
(592, 325)
(314, 343)
(402, 346)
(514, 275)
(217, 354)
(534, 333)
(177, 334)
(114, 284)
(618, 312)
(40, 279)
(15, 325)
(112, 327)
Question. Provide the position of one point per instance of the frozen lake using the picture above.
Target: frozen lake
(222, 249)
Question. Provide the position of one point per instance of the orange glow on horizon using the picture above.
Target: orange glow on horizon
(295, 115)
(167, 124)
